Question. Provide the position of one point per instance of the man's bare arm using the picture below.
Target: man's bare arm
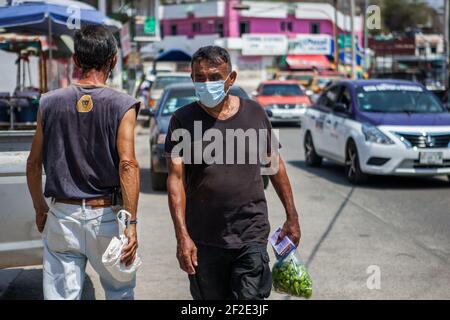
(128, 167)
(34, 176)
(177, 197)
(186, 249)
(282, 186)
(129, 180)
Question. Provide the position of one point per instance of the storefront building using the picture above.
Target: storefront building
(260, 36)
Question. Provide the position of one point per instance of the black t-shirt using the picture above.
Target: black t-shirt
(225, 201)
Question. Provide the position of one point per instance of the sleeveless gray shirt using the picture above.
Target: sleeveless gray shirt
(80, 126)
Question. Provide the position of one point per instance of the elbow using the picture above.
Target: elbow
(33, 166)
(128, 166)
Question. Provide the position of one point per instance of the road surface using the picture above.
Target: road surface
(389, 239)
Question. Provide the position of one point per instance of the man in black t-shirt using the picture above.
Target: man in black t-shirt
(216, 149)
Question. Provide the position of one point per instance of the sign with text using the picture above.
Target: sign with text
(264, 45)
(345, 41)
(393, 47)
(306, 44)
(150, 26)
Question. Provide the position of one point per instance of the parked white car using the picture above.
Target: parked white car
(382, 127)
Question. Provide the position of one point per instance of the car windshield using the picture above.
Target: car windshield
(281, 90)
(397, 99)
(322, 82)
(164, 81)
(181, 97)
(178, 99)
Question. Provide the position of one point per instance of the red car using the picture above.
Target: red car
(284, 101)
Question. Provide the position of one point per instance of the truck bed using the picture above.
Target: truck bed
(20, 242)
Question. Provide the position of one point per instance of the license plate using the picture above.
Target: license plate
(431, 158)
(285, 114)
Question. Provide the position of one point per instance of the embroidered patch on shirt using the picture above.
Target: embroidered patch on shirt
(85, 104)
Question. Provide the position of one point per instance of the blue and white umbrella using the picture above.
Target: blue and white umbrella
(51, 17)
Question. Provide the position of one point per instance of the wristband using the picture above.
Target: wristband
(133, 221)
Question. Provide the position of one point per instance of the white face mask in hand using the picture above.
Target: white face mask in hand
(211, 93)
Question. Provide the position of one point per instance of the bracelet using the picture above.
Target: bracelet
(133, 222)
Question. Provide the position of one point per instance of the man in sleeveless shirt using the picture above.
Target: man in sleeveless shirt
(85, 141)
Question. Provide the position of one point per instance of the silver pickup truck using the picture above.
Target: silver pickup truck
(20, 241)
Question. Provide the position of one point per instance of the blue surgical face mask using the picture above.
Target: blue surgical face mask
(210, 93)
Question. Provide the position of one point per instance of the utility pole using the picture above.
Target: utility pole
(352, 26)
(366, 36)
(336, 36)
(157, 19)
(102, 6)
(446, 41)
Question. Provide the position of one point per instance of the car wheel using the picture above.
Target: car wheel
(266, 181)
(352, 166)
(312, 159)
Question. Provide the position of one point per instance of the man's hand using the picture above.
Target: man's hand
(41, 219)
(291, 228)
(130, 250)
(187, 254)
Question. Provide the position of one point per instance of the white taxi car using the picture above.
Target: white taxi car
(379, 127)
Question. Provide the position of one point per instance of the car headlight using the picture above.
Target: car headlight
(373, 134)
(271, 106)
(161, 138)
(301, 106)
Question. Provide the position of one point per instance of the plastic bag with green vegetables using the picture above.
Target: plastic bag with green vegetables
(289, 274)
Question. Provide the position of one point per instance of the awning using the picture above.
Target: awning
(17, 43)
(174, 55)
(308, 62)
(36, 17)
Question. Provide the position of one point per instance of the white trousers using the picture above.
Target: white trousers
(73, 236)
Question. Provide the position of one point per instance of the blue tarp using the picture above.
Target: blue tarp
(33, 18)
(174, 55)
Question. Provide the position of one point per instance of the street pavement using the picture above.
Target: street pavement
(395, 230)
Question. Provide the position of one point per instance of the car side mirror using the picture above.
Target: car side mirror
(314, 98)
(309, 93)
(254, 93)
(340, 108)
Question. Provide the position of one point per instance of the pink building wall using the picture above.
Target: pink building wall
(232, 20)
(185, 26)
(257, 25)
(273, 25)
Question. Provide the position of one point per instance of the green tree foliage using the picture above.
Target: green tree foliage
(404, 15)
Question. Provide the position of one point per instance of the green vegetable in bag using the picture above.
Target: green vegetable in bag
(290, 276)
